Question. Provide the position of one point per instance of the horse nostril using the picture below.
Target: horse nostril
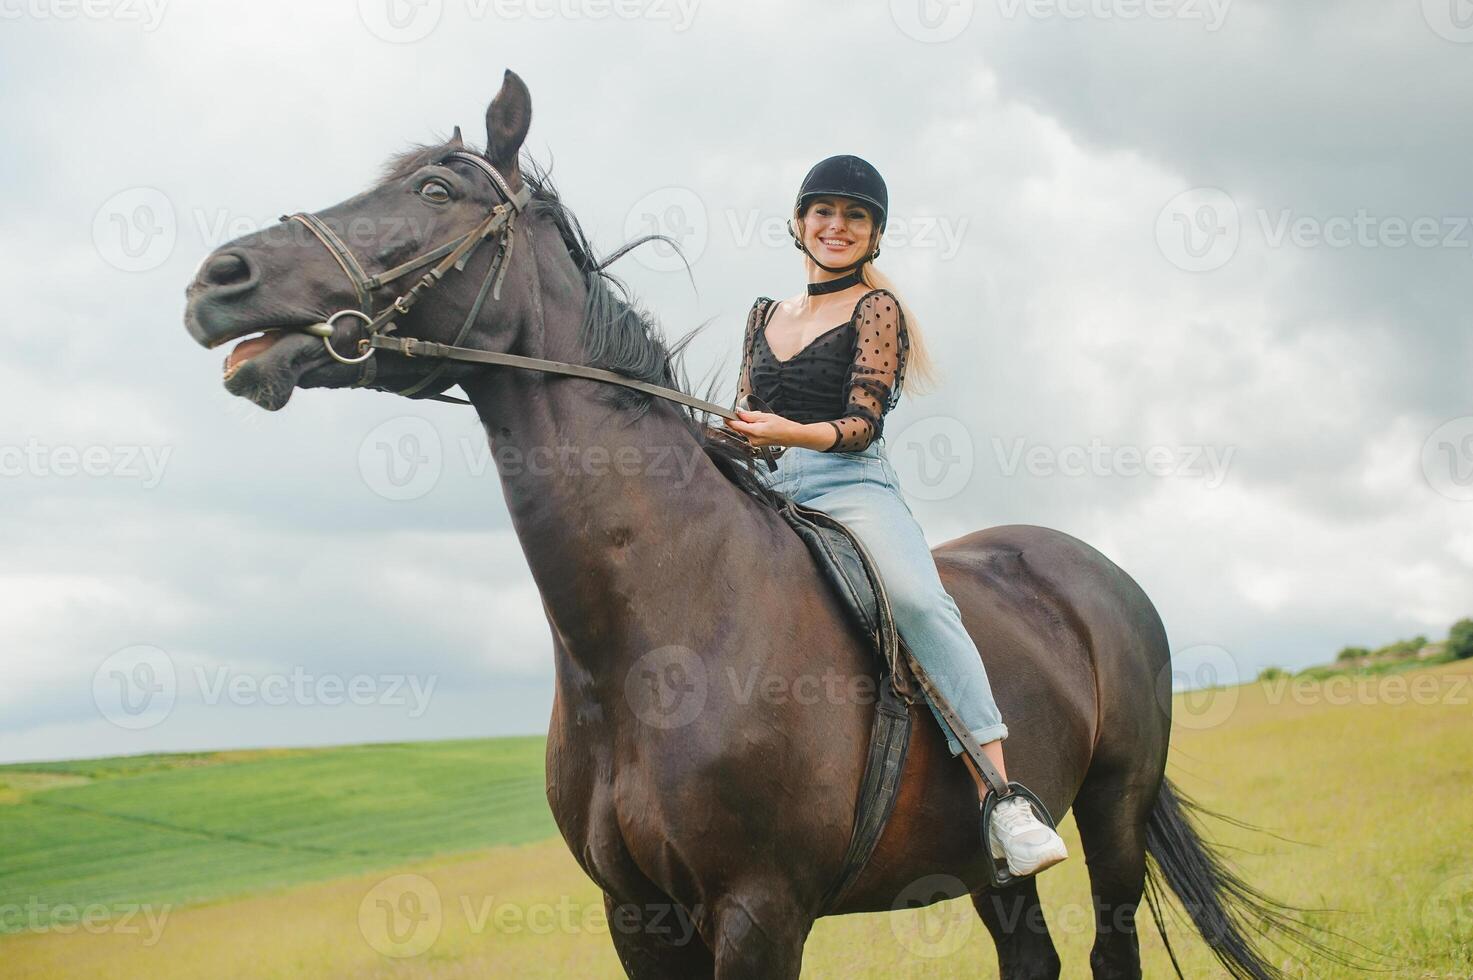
(226, 270)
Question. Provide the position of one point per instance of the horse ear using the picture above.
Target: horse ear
(455, 137)
(507, 121)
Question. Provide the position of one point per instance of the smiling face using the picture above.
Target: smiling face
(838, 231)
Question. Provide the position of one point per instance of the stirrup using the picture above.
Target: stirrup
(999, 874)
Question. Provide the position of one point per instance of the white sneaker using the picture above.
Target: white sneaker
(1027, 842)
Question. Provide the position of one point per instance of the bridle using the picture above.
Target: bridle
(455, 254)
(501, 224)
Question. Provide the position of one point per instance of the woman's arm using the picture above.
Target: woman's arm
(769, 429)
(744, 378)
(879, 359)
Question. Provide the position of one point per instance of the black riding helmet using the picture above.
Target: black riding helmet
(844, 176)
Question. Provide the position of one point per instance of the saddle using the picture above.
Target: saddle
(848, 569)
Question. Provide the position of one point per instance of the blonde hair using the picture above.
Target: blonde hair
(921, 373)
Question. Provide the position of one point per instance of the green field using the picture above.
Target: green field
(190, 828)
(280, 864)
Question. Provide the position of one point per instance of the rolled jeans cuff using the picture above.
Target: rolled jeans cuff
(991, 733)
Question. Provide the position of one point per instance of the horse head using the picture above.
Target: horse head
(300, 296)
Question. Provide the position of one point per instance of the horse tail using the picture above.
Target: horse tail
(1224, 908)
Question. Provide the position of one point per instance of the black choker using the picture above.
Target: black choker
(834, 285)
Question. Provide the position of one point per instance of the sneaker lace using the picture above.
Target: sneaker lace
(1014, 815)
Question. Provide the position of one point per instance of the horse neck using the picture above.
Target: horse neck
(613, 513)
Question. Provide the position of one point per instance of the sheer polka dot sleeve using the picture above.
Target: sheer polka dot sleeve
(744, 378)
(876, 373)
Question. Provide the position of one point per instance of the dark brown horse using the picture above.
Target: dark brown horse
(710, 722)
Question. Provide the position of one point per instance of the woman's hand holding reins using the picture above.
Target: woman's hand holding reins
(769, 429)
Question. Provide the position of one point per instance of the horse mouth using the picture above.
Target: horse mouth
(251, 346)
(268, 357)
(267, 366)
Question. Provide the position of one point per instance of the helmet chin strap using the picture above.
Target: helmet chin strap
(798, 244)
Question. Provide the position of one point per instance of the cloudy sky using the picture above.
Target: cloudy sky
(1198, 272)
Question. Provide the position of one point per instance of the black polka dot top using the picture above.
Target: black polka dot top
(849, 376)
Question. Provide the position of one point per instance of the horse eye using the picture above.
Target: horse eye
(435, 192)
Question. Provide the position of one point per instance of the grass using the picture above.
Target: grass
(1371, 774)
(191, 828)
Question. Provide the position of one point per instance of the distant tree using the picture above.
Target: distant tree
(1401, 648)
(1353, 653)
(1460, 639)
(1272, 673)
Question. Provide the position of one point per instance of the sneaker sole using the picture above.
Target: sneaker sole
(1048, 860)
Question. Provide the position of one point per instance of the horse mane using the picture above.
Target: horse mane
(616, 331)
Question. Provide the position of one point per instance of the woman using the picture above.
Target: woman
(830, 387)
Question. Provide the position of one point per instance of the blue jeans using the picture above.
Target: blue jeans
(862, 490)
